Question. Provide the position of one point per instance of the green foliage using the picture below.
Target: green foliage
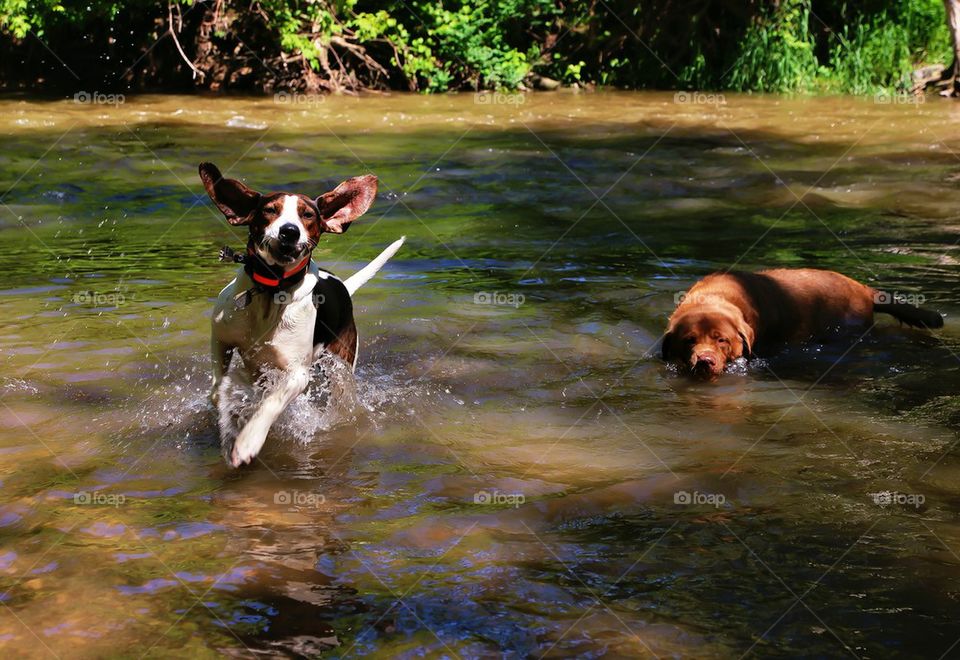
(437, 45)
(880, 52)
(777, 52)
(23, 17)
(473, 44)
(412, 55)
(15, 18)
(872, 50)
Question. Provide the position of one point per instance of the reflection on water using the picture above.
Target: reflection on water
(519, 472)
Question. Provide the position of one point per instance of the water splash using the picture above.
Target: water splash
(329, 400)
(739, 367)
(744, 367)
(180, 406)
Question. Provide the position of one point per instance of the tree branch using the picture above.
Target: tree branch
(176, 42)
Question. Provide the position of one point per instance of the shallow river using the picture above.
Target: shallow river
(520, 474)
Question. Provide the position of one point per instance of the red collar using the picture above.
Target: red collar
(267, 276)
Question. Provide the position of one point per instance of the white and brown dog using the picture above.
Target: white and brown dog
(281, 311)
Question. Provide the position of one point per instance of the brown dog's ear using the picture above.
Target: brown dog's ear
(746, 336)
(666, 350)
(346, 203)
(235, 200)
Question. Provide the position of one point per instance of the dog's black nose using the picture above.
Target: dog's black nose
(289, 233)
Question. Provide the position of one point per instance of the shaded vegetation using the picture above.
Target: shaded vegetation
(434, 46)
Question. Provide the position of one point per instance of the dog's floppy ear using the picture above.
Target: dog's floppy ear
(666, 349)
(235, 200)
(346, 203)
(746, 336)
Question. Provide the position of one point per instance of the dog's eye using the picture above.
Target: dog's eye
(308, 215)
(723, 340)
(269, 210)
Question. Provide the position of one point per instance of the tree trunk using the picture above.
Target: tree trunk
(952, 74)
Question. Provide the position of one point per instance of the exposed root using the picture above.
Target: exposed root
(950, 81)
(176, 42)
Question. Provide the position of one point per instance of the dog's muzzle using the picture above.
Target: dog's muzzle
(288, 247)
(706, 365)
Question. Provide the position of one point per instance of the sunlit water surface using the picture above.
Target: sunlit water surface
(513, 476)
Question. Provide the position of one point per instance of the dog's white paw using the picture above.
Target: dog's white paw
(239, 456)
(237, 459)
(246, 447)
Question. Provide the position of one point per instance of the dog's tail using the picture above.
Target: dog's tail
(363, 275)
(917, 317)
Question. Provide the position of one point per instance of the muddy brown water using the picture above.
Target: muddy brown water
(521, 476)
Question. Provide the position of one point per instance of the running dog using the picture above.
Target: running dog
(281, 311)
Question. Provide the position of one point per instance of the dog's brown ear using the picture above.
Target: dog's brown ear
(346, 203)
(666, 349)
(746, 336)
(236, 201)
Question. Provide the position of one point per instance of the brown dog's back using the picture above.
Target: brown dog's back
(832, 300)
(817, 302)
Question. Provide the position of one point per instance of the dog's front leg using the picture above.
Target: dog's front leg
(220, 354)
(251, 437)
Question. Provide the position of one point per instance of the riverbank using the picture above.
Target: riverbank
(280, 46)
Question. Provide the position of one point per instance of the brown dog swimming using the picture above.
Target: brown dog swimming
(729, 315)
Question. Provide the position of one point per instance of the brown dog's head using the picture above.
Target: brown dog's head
(285, 227)
(702, 342)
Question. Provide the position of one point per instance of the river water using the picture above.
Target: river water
(519, 475)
